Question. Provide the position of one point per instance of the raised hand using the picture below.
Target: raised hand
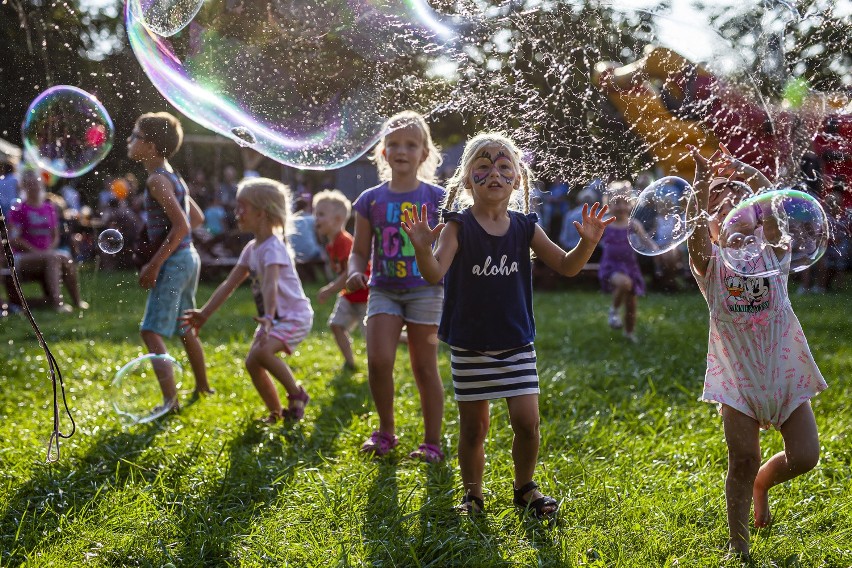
(704, 166)
(266, 326)
(593, 225)
(732, 168)
(417, 228)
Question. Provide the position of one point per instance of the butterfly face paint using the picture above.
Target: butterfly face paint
(486, 162)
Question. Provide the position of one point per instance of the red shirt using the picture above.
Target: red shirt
(338, 255)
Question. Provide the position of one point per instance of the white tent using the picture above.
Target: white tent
(9, 152)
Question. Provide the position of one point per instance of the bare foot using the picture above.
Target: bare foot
(762, 516)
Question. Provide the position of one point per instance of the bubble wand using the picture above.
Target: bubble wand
(55, 373)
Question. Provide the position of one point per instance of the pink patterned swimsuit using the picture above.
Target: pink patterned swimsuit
(758, 360)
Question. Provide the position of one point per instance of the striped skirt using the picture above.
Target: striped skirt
(479, 375)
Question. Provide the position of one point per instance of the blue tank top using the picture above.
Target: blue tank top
(488, 287)
(158, 223)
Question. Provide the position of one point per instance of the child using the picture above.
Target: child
(171, 275)
(216, 218)
(407, 160)
(759, 367)
(332, 210)
(488, 318)
(619, 272)
(285, 315)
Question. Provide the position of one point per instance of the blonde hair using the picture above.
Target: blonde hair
(271, 197)
(427, 171)
(336, 198)
(460, 194)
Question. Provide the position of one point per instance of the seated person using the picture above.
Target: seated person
(34, 237)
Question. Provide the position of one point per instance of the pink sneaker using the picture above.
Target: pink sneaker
(379, 443)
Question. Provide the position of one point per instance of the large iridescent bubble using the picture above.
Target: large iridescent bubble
(774, 232)
(67, 131)
(660, 217)
(305, 83)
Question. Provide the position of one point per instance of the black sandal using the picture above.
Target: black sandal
(471, 505)
(538, 505)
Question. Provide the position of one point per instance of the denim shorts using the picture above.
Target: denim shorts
(421, 305)
(173, 293)
(347, 314)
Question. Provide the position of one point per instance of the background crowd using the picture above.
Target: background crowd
(79, 219)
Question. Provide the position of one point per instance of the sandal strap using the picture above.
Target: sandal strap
(541, 503)
(521, 491)
(468, 498)
(379, 436)
(475, 500)
(302, 395)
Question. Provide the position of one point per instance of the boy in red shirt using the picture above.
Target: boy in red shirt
(331, 211)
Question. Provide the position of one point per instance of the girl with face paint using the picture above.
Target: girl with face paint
(483, 255)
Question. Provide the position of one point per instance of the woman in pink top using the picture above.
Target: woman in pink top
(34, 236)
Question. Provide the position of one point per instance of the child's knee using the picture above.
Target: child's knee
(804, 459)
(474, 433)
(527, 428)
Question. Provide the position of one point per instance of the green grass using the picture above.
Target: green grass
(636, 461)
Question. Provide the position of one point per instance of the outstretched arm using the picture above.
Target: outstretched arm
(699, 245)
(572, 262)
(432, 266)
(736, 169)
(195, 319)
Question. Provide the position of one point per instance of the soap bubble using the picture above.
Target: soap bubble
(110, 241)
(135, 391)
(165, 17)
(308, 84)
(764, 233)
(661, 215)
(67, 131)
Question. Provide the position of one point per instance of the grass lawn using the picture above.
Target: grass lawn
(636, 461)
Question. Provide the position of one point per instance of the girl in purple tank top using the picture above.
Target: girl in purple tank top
(619, 272)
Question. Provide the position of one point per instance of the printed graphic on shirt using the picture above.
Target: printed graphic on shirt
(491, 268)
(746, 294)
(396, 251)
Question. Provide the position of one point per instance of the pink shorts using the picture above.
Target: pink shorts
(289, 332)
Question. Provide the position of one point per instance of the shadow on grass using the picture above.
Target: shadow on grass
(384, 526)
(58, 494)
(260, 463)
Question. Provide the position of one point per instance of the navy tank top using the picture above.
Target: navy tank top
(488, 287)
(158, 223)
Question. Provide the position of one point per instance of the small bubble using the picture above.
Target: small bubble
(110, 241)
(245, 137)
